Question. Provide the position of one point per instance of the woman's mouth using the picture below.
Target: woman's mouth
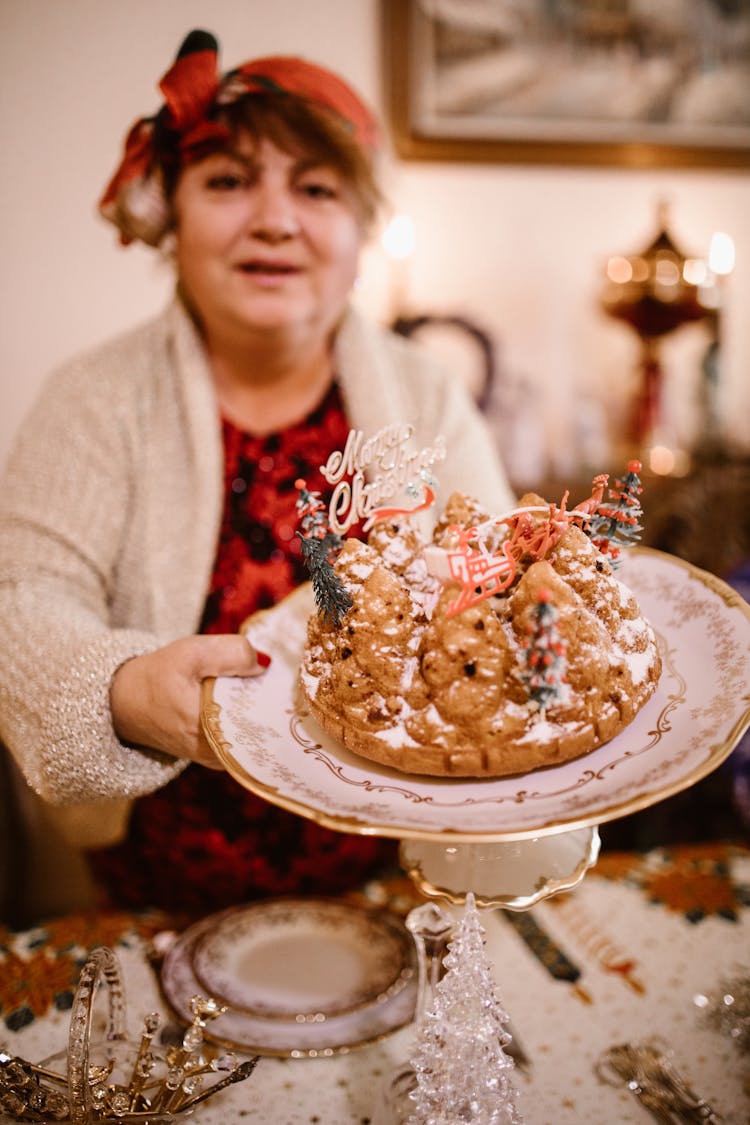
(269, 270)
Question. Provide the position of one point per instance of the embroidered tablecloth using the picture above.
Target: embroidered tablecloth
(619, 959)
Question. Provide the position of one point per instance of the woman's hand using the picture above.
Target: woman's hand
(155, 699)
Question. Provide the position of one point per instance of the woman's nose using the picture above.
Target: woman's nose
(273, 217)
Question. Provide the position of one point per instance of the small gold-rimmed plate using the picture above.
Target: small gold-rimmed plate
(303, 960)
(288, 1037)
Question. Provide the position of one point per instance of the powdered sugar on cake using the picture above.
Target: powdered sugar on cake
(426, 676)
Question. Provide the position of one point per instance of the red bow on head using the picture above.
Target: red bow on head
(190, 85)
(189, 89)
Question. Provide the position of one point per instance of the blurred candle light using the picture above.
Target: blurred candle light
(666, 459)
(695, 271)
(640, 269)
(719, 265)
(399, 237)
(712, 295)
(661, 460)
(666, 272)
(619, 270)
(721, 254)
(399, 241)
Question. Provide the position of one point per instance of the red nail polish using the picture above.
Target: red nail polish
(263, 658)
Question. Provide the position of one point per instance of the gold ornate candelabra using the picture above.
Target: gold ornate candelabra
(655, 291)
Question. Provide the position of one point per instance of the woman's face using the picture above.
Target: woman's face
(266, 241)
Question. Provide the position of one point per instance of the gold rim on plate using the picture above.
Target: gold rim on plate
(238, 959)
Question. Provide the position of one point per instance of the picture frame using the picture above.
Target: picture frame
(584, 82)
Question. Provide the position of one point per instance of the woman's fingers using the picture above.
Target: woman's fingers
(220, 654)
(155, 698)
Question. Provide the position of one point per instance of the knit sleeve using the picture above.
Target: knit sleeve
(64, 504)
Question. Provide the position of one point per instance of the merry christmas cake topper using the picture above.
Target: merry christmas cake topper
(366, 473)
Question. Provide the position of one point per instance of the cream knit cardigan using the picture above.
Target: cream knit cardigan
(110, 510)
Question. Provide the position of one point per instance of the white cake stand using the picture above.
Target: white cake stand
(511, 841)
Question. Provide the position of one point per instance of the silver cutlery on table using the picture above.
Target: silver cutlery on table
(650, 1075)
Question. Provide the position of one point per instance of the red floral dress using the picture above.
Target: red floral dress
(203, 842)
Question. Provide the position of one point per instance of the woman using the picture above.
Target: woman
(149, 503)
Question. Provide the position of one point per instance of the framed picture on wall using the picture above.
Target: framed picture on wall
(614, 82)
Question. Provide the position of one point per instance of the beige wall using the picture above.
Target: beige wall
(520, 249)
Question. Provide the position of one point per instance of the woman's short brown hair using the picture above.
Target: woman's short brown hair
(295, 125)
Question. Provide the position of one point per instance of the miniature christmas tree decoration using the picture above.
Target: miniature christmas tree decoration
(320, 546)
(462, 1068)
(616, 523)
(544, 673)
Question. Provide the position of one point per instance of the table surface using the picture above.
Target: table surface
(617, 960)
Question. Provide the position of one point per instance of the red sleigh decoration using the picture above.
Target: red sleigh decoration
(482, 573)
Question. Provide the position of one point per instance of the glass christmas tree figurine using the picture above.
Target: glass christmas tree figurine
(431, 927)
(463, 1073)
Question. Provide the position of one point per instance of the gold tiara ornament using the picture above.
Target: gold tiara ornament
(116, 1078)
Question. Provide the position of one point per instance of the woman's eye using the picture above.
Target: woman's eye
(226, 181)
(317, 190)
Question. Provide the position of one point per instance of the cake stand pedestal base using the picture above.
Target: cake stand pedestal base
(513, 874)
